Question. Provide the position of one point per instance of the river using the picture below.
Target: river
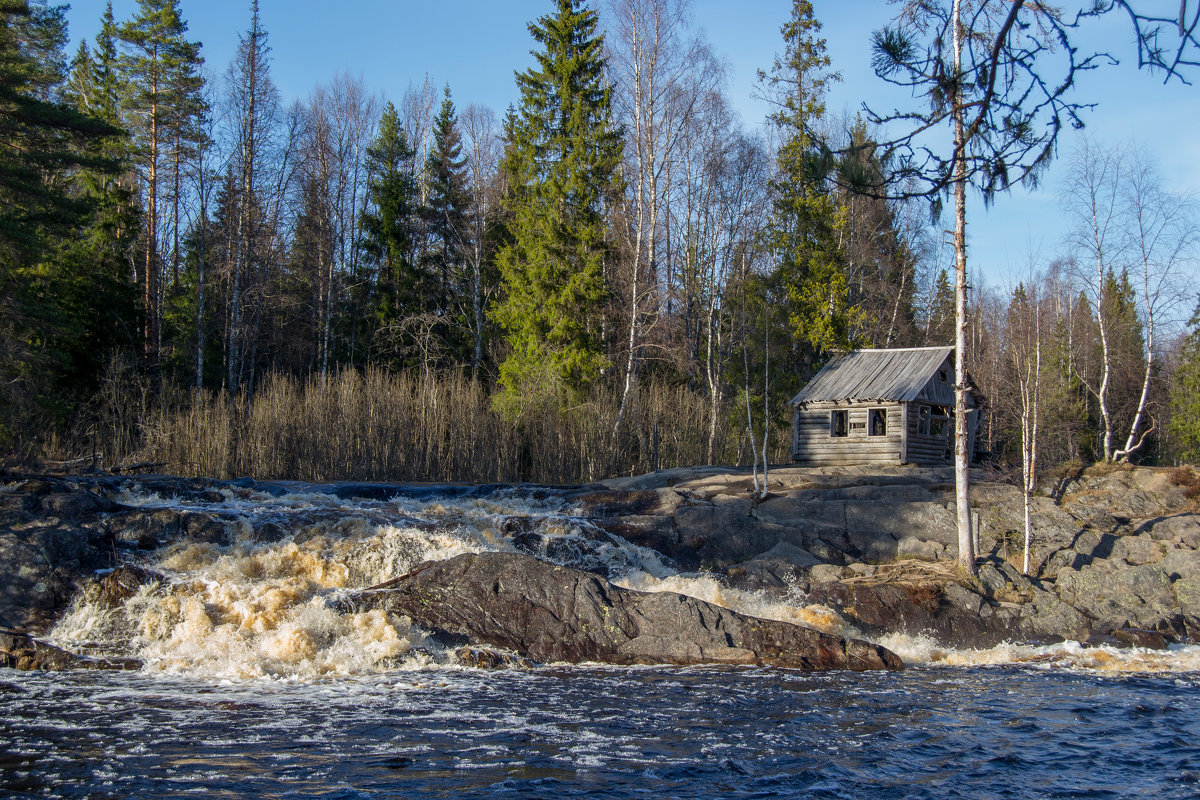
(255, 687)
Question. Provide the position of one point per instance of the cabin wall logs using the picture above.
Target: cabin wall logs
(813, 444)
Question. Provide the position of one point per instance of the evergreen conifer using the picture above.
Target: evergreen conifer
(561, 170)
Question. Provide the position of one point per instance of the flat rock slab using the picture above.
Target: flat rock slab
(554, 614)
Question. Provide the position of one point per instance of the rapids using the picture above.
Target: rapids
(261, 609)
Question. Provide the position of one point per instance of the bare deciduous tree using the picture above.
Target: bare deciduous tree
(661, 71)
(1092, 202)
(1161, 231)
(482, 141)
(341, 122)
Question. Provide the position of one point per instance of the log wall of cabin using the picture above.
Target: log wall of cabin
(813, 446)
(922, 448)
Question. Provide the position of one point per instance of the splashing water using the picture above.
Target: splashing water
(791, 609)
(254, 609)
(1064, 655)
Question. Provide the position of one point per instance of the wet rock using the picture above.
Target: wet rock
(777, 568)
(1137, 637)
(149, 528)
(74, 504)
(551, 613)
(22, 652)
(948, 612)
(41, 563)
(648, 502)
(1048, 618)
(483, 658)
(720, 533)
(114, 587)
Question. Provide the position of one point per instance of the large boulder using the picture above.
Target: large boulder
(551, 613)
(49, 540)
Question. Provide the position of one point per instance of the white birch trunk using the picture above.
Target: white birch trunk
(962, 458)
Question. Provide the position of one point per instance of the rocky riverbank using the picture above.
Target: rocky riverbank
(1115, 560)
(1114, 556)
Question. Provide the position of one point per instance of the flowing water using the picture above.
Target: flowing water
(254, 685)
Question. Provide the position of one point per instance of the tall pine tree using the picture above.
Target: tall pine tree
(160, 66)
(560, 165)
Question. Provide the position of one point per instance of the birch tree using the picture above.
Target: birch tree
(482, 143)
(1161, 231)
(1092, 204)
(661, 72)
(1025, 356)
(996, 76)
(341, 121)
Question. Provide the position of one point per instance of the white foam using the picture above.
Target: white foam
(1065, 655)
(791, 609)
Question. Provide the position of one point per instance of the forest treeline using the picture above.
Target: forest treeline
(614, 275)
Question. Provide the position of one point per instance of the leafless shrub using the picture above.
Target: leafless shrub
(415, 426)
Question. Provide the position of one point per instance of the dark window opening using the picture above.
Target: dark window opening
(942, 376)
(923, 415)
(837, 423)
(940, 424)
(877, 426)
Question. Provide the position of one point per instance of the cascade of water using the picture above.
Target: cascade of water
(261, 608)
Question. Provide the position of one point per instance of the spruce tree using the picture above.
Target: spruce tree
(446, 207)
(1184, 426)
(447, 195)
(402, 288)
(47, 299)
(560, 164)
(806, 218)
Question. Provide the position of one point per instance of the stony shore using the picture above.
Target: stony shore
(1116, 557)
(1115, 554)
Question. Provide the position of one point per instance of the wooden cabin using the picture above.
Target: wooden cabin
(891, 406)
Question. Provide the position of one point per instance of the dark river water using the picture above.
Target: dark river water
(929, 732)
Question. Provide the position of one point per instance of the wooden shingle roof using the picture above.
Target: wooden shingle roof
(895, 375)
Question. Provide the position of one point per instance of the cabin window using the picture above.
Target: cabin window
(877, 422)
(837, 423)
(943, 376)
(940, 422)
(923, 415)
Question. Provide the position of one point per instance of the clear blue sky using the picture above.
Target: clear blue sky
(475, 46)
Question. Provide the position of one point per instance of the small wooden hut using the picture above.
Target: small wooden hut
(892, 406)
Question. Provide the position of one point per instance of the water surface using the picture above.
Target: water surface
(931, 732)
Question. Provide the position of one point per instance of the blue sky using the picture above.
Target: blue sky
(475, 46)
